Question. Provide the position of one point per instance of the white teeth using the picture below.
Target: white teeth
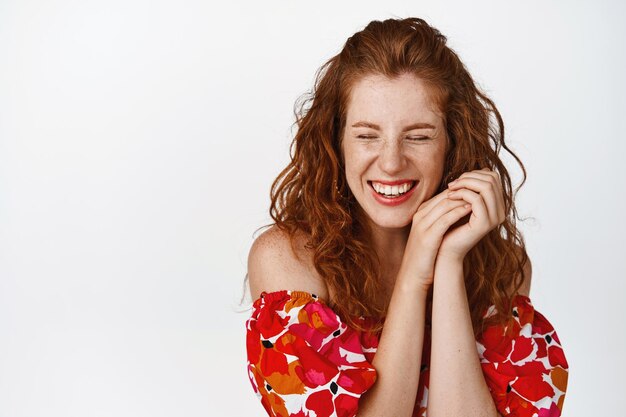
(392, 190)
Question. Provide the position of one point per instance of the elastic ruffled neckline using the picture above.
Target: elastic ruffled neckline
(296, 294)
(276, 295)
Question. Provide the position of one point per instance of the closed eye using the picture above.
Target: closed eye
(413, 138)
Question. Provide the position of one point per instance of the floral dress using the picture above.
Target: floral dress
(304, 361)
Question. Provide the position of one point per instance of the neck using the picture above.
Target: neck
(390, 245)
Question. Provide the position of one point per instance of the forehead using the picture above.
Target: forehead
(405, 98)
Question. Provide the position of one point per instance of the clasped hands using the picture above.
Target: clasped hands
(482, 189)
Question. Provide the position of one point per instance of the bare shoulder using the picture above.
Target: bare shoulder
(273, 265)
(527, 268)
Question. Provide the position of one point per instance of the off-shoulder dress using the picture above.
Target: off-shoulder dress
(304, 361)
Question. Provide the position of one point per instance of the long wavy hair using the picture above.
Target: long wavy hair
(311, 195)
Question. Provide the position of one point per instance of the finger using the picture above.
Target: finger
(445, 221)
(477, 201)
(427, 206)
(440, 209)
(482, 188)
(483, 174)
(499, 189)
(491, 193)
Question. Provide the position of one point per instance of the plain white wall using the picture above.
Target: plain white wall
(138, 142)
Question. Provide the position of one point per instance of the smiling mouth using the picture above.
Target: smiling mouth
(392, 191)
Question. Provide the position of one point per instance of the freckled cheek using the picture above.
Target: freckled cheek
(430, 171)
(356, 162)
(433, 172)
(356, 172)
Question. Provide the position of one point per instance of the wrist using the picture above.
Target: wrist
(449, 266)
(449, 274)
(417, 287)
(449, 258)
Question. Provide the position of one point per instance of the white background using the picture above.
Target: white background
(138, 143)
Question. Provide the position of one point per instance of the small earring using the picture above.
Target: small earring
(339, 192)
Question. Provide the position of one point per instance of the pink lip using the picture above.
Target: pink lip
(393, 201)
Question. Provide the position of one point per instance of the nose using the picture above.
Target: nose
(391, 158)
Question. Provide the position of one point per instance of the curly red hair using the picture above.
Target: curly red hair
(311, 195)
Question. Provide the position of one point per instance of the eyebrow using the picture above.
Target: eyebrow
(406, 128)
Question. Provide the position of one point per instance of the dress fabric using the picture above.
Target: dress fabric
(304, 361)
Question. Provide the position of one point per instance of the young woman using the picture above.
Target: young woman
(384, 287)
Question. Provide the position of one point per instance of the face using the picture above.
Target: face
(394, 143)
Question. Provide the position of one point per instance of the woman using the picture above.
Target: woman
(383, 287)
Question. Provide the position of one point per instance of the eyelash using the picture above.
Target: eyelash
(418, 138)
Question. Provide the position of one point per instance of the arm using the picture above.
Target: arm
(398, 358)
(399, 353)
(457, 384)
(450, 308)
(273, 266)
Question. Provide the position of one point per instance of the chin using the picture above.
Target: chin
(392, 223)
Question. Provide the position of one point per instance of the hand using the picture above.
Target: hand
(431, 221)
(483, 190)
